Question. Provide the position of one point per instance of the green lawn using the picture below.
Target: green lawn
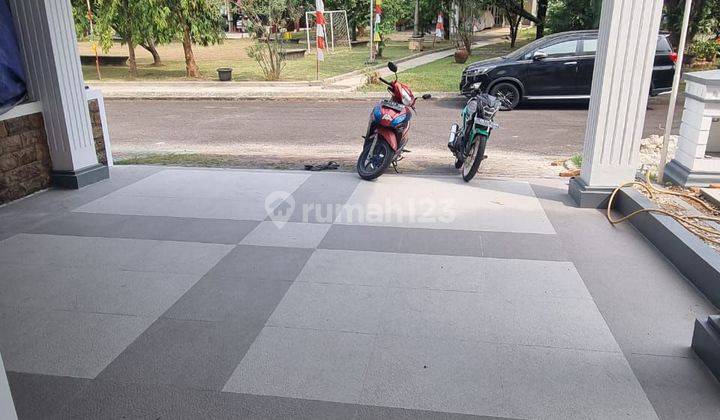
(444, 75)
(245, 69)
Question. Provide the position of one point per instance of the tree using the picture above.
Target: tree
(296, 10)
(464, 26)
(674, 11)
(268, 48)
(200, 22)
(137, 22)
(514, 20)
(395, 11)
(358, 13)
(542, 6)
(571, 15)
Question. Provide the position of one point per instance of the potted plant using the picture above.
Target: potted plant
(463, 31)
(225, 74)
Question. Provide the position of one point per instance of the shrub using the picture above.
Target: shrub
(704, 50)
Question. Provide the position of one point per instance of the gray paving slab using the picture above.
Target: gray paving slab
(146, 294)
(550, 322)
(209, 194)
(393, 413)
(147, 227)
(336, 307)
(190, 354)
(320, 197)
(560, 383)
(393, 269)
(216, 298)
(214, 183)
(446, 203)
(46, 205)
(262, 263)
(291, 234)
(42, 396)
(393, 239)
(112, 253)
(111, 400)
(678, 387)
(437, 313)
(64, 343)
(435, 374)
(107, 399)
(649, 307)
(526, 246)
(519, 278)
(302, 363)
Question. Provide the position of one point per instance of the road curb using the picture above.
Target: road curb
(323, 96)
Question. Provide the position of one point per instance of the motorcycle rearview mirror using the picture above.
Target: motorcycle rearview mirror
(427, 96)
(393, 67)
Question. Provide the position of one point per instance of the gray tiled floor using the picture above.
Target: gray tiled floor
(172, 293)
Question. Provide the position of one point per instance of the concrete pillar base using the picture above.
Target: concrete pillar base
(706, 343)
(416, 44)
(589, 197)
(678, 174)
(80, 178)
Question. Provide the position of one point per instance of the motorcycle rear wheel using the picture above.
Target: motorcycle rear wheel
(472, 162)
(378, 163)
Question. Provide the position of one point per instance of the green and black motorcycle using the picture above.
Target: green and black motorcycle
(468, 141)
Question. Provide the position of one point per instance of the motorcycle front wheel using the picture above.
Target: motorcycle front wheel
(475, 157)
(372, 166)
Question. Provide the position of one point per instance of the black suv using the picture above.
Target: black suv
(556, 67)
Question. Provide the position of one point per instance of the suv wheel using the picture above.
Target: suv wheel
(511, 92)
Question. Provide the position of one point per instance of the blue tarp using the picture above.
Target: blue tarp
(12, 74)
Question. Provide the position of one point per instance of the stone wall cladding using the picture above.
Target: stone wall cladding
(97, 130)
(24, 157)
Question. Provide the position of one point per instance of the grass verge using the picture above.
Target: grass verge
(245, 68)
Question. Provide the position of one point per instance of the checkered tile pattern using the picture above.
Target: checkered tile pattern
(186, 292)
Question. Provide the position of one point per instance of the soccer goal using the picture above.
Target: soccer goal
(337, 31)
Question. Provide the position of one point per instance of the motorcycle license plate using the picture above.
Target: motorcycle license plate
(486, 123)
(393, 105)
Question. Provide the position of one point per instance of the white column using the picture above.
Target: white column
(621, 84)
(46, 33)
(7, 407)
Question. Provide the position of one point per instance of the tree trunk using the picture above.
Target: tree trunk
(191, 67)
(297, 24)
(149, 45)
(132, 62)
(353, 31)
(446, 25)
(541, 15)
(675, 10)
(514, 21)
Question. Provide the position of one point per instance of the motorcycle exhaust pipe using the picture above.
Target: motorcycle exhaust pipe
(453, 133)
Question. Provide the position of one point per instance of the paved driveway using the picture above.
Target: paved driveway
(201, 293)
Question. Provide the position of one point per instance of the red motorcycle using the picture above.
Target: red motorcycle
(388, 128)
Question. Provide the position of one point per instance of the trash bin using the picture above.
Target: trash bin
(225, 74)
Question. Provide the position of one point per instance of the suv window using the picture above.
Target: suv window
(589, 46)
(663, 45)
(561, 49)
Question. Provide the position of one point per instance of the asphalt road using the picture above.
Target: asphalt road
(334, 128)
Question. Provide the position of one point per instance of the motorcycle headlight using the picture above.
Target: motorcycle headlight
(407, 99)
